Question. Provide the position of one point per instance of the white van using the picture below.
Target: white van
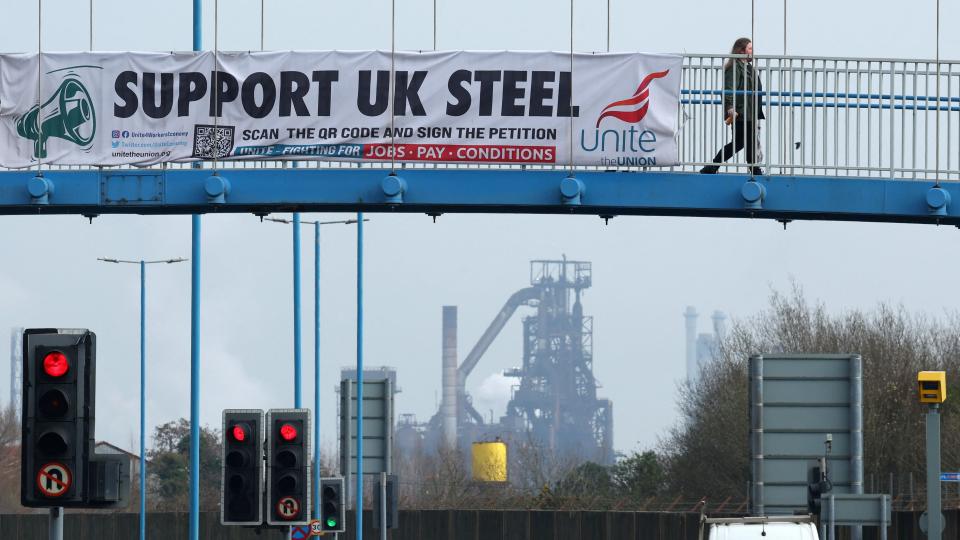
(759, 528)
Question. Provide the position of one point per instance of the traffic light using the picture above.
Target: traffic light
(392, 497)
(58, 416)
(241, 480)
(288, 467)
(332, 509)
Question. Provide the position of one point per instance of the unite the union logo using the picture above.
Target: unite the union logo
(634, 108)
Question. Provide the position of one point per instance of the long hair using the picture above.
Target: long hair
(739, 47)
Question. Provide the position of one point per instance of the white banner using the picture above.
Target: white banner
(610, 110)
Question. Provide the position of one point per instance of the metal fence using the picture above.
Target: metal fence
(886, 118)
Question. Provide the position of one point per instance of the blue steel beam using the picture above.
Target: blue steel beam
(261, 191)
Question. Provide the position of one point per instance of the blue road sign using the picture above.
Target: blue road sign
(950, 477)
(300, 532)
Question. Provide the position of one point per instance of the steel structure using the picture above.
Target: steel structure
(261, 191)
(556, 400)
(554, 404)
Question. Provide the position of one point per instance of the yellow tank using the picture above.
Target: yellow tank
(490, 461)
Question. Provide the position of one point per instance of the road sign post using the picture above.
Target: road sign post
(385, 504)
(382, 510)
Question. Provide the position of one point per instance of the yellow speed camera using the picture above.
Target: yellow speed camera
(933, 386)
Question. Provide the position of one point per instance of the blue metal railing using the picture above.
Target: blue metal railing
(880, 98)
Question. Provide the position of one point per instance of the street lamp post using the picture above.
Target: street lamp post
(143, 378)
(316, 342)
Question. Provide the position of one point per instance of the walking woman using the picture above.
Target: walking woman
(742, 106)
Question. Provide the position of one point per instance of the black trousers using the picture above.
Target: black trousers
(744, 134)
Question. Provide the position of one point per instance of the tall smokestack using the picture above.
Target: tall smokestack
(448, 407)
(719, 325)
(691, 319)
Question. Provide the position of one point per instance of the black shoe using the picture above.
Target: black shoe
(709, 169)
(757, 171)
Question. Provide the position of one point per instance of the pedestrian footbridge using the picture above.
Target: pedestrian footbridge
(866, 139)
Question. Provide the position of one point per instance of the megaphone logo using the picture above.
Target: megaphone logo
(68, 114)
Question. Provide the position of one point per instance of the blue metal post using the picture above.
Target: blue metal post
(195, 383)
(359, 508)
(197, 24)
(143, 400)
(296, 310)
(195, 335)
(316, 369)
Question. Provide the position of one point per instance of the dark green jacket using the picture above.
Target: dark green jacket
(741, 76)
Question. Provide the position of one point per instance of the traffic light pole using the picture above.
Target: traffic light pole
(56, 523)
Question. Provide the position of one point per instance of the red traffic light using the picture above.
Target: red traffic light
(55, 364)
(288, 432)
(239, 433)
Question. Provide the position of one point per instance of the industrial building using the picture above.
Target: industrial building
(554, 402)
(702, 347)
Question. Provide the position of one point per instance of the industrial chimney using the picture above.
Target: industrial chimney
(719, 325)
(693, 370)
(448, 407)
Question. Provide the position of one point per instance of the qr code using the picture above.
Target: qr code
(212, 142)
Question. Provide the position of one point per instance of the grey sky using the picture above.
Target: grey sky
(645, 269)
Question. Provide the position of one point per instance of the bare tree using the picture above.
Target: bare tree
(9, 427)
(707, 452)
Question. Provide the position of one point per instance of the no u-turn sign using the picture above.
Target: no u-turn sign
(288, 508)
(53, 479)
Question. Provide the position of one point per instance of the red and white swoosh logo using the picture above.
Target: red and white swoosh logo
(633, 109)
